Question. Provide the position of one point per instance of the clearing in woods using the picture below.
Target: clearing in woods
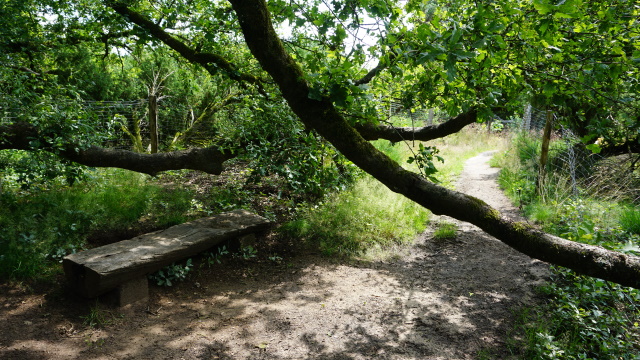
(438, 299)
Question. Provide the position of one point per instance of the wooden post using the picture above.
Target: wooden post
(544, 152)
(153, 123)
(527, 117)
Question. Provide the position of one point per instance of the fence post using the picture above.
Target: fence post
(527, 117)
(153, 123)
(544, 152)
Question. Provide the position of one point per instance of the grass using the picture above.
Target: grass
(369, 219)
(41, 227)
(445, 230)
(630, 220)
(98, 317)
(583, 317)
(364, 218)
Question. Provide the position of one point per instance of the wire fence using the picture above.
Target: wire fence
(571, 165)
(572, 170)
(121, 120)
(125, 124)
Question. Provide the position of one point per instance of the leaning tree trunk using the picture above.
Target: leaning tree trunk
(322, 116)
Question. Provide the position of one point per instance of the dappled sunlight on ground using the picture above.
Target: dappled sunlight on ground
(442, 299)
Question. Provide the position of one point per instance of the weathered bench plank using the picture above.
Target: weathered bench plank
(97, 271)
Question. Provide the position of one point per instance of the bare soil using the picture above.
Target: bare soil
(437, 299)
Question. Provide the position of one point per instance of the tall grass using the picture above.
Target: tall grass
(630, 220)
(41, 227)
(369, 218)
(366, 217)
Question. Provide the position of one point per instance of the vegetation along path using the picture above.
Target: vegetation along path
(439, 299)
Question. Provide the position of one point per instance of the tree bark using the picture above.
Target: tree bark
(21, 136)
(265, 45)
(426, 133)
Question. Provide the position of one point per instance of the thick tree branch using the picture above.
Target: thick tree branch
(20, 136)
(426, 133)
(632, 146)
(321, 115)
(374, 72)
(211, 62)
(208, 160)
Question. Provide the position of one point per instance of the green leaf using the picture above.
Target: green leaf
(559, 15)
(594, 148)
(549, 89)
(450, 66)
(542, 6)
(455, 36)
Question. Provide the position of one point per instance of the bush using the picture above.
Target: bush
(584, 317)
(364, 217)
(41, 227)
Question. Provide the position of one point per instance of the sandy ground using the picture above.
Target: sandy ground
(439, 299)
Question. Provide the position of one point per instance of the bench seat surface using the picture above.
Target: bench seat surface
(99, 270)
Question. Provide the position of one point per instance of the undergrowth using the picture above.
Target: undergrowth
(40, 227)
(582, 317)
(368, 218)
(365, 217)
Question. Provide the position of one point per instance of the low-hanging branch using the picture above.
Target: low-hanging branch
(24, 136)
(208, 160)
(321, 115)
(425, 133)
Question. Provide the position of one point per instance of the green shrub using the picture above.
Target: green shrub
(364, 217)
(540, 213)
(584, 317)
(41, 227)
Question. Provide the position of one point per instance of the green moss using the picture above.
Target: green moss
(522, 227)
(476, 203)
(494, 214)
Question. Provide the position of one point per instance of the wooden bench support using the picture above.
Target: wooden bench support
(123, 266)
(129, 292)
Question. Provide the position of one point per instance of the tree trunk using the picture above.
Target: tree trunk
(153, 123)
(265, 45)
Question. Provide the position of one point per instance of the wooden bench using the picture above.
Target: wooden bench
(121, 268)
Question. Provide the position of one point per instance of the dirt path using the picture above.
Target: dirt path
(451, 299)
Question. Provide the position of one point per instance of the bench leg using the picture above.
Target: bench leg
(132, 291)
